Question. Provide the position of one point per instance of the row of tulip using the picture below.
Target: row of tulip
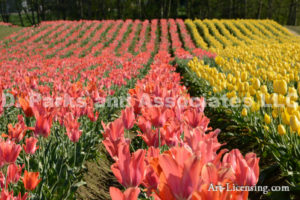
(57, 135)
(215, 34)
(5, 24)
(142, 36)
(265, 74)
(176, 157)
(83, 38)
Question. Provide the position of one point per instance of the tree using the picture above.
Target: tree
(260, 3)
(292, 17)
(18, 4)
(4, 10)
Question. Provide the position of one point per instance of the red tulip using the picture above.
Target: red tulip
(31, 180)
(72, 127)
(2, 180)
(20, 197)
(128, 117)
(129, 194)
(30, 146)
(9, 151)
(43, 121)
(5, 195)
(18, 132)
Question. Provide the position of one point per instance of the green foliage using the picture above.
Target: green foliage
(284, 12)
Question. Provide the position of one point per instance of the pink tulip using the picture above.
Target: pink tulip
(129, 194)
(13, 173)
(129, 169)
(156, 115)
(9, 151)
(73, 131)
(114, 137)
(182, 171)
(43, 121)
(114, 130)
(128, 117)
(246, 170)
(196, 119)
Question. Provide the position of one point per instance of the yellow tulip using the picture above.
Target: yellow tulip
(215, 90)
(254, 107)
(264, 89)
(275, 113)
(293, 93)
(231, 94)
(244, 76)
(219, 60)
(256, 83)
(229, 77)
(246, 86)
(285, 117)
(258, 95)
(266, 128)
(292, 107)
(280, 86)
(281, 130)
(267, 119)
(294, 122)
(274, 98)
(244, 112)
(241, 87)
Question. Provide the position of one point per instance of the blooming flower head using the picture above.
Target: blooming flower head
(31, 180)
(9, 151)
(30, 145)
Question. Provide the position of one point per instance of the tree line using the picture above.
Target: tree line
(35, 11)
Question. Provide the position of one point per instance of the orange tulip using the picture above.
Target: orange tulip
(31, 180)
(26, 107)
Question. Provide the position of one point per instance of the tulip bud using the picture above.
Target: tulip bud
(244, 112)
(281, 130)
(128, 117)
(244, 76)
(285, 117)
(274, 113)
(256, 83)
(264, 89)
(294, 122)
(267, 119)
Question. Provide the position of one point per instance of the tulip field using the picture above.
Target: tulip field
(142, 91)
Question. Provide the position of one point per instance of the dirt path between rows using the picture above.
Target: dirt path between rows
(292, 31)
(295, 33)
(98, 178)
